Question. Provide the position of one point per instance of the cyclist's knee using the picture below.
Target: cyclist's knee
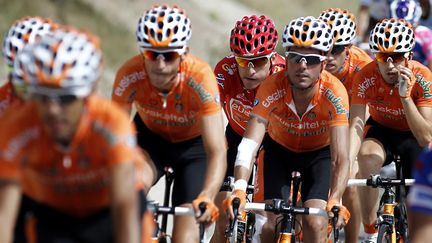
(316, 224)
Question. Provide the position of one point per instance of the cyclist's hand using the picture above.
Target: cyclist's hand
(344, 214)
(211, 213)
(227, 203)
(406, 81)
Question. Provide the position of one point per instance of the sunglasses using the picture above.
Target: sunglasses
(338, 49)
(391, 57)
(253, 62)
(168, 55)
(309, 59)
(62, 100)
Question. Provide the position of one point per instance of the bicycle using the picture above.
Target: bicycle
(279, 206)
(392, 220)
(242, 230)
(157, 210)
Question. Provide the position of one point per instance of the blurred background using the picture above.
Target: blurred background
(114, 21)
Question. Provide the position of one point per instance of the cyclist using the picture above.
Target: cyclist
(24, 31)
(72, 154)
(411, 11)
(344, 61)
(305, 110)
(253, 41)
(397, 92)
(178, 110)
(370, 13)
(419, 199)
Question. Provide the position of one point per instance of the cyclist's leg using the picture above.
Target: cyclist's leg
(190, 169)
(370, 158)
(351, 200)
(315, 187)
(276, 175)
(420, 225)
(233, 140)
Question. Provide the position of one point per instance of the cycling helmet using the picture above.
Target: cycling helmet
(69, 62)
(308, 32)
(392, 35)
(409, 10)
(342, 23)
(163, 26)
(22, 32)
(253, 36)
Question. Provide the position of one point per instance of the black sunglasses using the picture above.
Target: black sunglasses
(338, 49)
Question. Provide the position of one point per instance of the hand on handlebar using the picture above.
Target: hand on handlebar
(227, 203)
(344, 214)
(211, 212)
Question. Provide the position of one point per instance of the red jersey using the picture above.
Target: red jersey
(73, 180)
(385, 107)
(237, 101)
(7, 98)
(328, 107)
(174, 116)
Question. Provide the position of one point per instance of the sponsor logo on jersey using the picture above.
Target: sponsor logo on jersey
(425, 84)
(278, 94)
(128, 80)
(256, 102)
(335, 100)
(367, 82)
(199, 89)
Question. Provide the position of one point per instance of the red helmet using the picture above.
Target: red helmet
(253, 36)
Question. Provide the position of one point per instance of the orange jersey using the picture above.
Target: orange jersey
(356, 61)
(176, 115)
(385, 107)
(7, 98)
(237, 101)
(328, 107)
(73, 180)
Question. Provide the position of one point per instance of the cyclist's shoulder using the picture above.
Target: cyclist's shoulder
(133, 64)
(359, 56)
(106, 113)
(19, 123)
(194, 65)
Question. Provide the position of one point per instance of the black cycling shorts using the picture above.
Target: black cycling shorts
(402, 143)
(188, 160)
(52, 226)
(280, 162)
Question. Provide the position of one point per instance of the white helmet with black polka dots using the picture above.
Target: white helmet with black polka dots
(69, 62)
(392, 35)
(163, 26)
(342, 23)
(308, 32)
(24, 31)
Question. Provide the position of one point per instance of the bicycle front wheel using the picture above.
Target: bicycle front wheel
(385, 234)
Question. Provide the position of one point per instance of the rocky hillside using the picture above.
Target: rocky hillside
(115, 20)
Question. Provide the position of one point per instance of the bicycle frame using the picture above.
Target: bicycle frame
(386, 220)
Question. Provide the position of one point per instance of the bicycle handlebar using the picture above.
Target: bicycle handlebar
(380, 182)
(270, 207)
(178, 211)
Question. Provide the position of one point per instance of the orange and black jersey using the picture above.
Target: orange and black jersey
(328, 107)
(385, 107)
(73, 180)
(174, 116)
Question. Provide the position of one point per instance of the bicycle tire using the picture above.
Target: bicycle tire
(383, 234)
(401, 222)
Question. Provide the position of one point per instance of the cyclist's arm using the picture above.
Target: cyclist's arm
(356, 128)
(419, 120)
(212, 132)
(10, 195)
(254, 131)
(124, 202)
(340, 164)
